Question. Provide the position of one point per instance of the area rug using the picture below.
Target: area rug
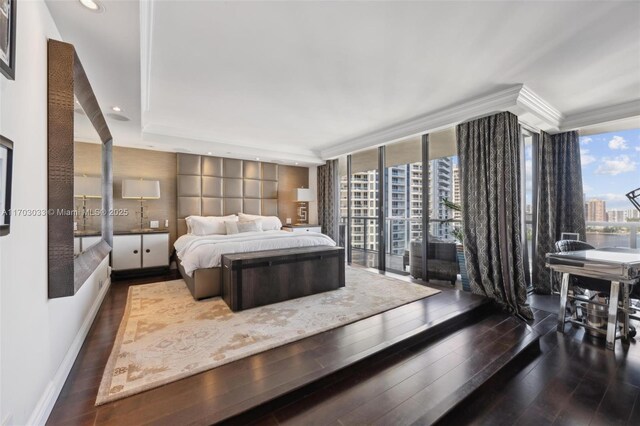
(166, 335)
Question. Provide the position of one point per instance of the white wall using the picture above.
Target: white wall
(313, 185)
(39, 337)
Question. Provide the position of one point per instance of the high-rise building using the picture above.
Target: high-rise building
(632, 214)
(456, 195)
(440, 186)
(596, 210)
(616, 216)
(403, 204)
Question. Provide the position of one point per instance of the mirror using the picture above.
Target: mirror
(87, 182)
(80, 196)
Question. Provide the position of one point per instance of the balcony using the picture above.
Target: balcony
(613, 234)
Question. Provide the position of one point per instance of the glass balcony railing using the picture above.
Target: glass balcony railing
(613, 234)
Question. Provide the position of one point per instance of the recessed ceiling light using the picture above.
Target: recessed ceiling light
(116, 108)
(208, 153)
(296, 164)
(258, 158)
(92, 5)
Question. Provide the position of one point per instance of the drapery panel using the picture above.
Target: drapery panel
(489, 154)
(560, 199)
(329, 199)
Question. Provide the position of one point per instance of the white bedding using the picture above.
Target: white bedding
(196, 252)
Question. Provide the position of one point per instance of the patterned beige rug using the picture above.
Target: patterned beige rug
(166, 335)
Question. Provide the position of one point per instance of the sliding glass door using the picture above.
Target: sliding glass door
(403, 203)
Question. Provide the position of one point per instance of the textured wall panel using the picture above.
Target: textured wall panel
(188, 186)
(212, 166)
(212, 207)
(251, 206)
(189, 164)
(252, 188)
(231, 186)
(212, 186)
(232, 168)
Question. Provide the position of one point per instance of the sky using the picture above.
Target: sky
(611, 166)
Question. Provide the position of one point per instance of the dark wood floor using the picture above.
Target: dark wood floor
(231, 389)
(572, 380)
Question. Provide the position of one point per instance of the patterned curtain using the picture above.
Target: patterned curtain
(560, 199)
(329, 199)
(489, 155)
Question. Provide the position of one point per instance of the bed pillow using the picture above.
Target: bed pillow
(209, 225)
(269, 223)
(235, 227)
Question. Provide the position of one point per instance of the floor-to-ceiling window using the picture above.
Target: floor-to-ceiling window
(611, 169)
(364, 208)
(529, 198)
(403, 201)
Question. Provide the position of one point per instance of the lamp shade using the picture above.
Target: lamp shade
(86, 186)
(140, 189)
(303, 195)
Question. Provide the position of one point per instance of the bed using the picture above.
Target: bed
(199, 257)
(210, 186)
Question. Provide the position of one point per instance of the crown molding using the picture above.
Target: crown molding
(536, 105)
(447, 117)
(174, 140)
(602, 115)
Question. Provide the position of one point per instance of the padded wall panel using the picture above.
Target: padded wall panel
(189, 186)
(269, 189)
(269, 207)
(251, 206)
(232, 168)
(232, 188)
(251, 169)
(212, 186)
(212, 207)
(215, 186)
(189, 164)
(252, 188)
(232, 206)
(269, 171)
(212, 166)
(188, 206)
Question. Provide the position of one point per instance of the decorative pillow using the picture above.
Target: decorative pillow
(269, 223)
(250, 226)
(209, 225)
(232, 227)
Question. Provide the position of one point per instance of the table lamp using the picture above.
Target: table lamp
(86, 187)
(141, 190)
(302, 196)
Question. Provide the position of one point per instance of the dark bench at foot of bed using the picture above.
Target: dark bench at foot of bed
(264, 277)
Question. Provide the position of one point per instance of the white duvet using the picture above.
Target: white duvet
(206, 251)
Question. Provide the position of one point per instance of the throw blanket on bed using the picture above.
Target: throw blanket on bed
(206, 251)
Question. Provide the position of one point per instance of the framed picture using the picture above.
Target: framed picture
(570, 236)
(6, 171)
(8, 38)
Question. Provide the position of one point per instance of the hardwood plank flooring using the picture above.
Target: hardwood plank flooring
(230, 389)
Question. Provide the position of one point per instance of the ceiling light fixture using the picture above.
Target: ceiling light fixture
(92, 5)
(209, 153)
(258, 158)
(116, 108)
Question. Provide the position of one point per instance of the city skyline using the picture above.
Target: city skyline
(611, 166)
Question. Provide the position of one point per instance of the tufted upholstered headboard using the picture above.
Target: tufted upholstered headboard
(216, 186)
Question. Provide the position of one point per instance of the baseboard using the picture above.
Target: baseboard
(48, 399)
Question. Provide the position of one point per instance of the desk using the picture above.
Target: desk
(621, 266)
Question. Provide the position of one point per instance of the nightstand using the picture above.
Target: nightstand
(300, 229)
